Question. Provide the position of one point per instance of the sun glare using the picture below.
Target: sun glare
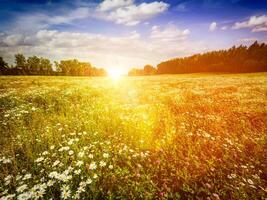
(115, 74)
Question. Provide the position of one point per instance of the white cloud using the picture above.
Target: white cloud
(119, 11)
(13, 40)
(123, 52)
(112, 4)
(133, 14)
(170, 33)
(36, 21)
(224, 28)
(259, 29)
(255, 23)
(213, 26)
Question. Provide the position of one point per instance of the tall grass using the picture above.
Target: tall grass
(164, 137)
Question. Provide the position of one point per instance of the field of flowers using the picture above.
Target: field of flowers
(158, 137)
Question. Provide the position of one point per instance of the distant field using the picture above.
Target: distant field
(196, 136)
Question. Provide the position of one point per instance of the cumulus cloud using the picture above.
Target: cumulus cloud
(213, 26)
(133, 14)
(125, 12)
(255, 23)
(104, 51)
(170, 33)
(112, 4)
(13, 40)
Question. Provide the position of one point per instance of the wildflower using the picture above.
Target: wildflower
(95, 176)
(81, 154)
(102, 163)
(256, 176)
(70, 142)
(27, 176)
(81, 187)
(161, 194)
(45, 153)
(105, 155)
(233, 175)
(24, 196)
(89, 181)
(56, 163)
(53, 174)
(77, 172)
(21, 188)
(76, 195)
(18, 177)
(69, 169)
(4, 192)
(71, 152)
(79, 163)
(8, 177)
(242, 184)
(50, 183)
(92, 166)
(39, 159)
(65, 192)
(7, 160)
(10, 196)
(34, 109)
(110, 166)
(250, 181)
(52, 147)
(208, 185)
(91, 156)
(216, 196)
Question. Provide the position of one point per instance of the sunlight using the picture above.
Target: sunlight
(115, 74)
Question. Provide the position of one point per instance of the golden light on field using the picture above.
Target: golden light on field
(115, 73)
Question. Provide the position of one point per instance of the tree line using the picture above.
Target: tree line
(240, 59)
(42, 66)
(147, 70)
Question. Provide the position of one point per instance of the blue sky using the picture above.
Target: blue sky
(120, 34)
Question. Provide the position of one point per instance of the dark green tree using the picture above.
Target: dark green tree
(20, 62)
(33, 63)
(3, 66)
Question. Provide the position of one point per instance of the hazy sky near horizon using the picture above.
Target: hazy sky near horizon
(127, 33)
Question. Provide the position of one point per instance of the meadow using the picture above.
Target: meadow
(195, 136)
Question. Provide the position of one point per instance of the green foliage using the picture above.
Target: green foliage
(3, 66)
(234, 60)
(42, 66)
(76, 68)
(20, 62)
(240, 59)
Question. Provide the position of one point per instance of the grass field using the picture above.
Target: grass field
(160, 137)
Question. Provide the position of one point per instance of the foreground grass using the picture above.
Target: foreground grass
(163, 137)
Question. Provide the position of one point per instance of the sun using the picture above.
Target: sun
(115, 74)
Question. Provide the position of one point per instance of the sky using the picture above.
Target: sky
(122, 34)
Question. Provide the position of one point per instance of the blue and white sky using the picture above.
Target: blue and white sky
(122, 34)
